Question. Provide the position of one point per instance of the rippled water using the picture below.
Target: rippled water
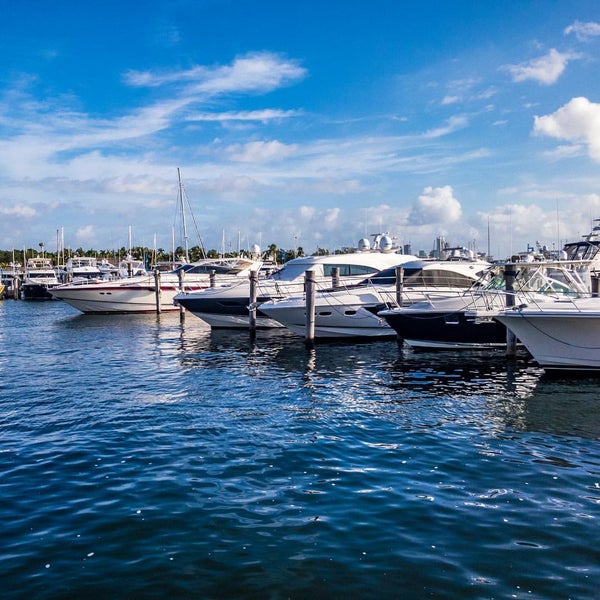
(145, 458)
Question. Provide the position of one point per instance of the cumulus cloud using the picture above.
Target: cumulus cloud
(331, 216)
(435, 205)
(307, 212)
(583, 31)
(578, 121)
(545, 69)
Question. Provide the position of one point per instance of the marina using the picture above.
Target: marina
(192, 462)
(353, 353)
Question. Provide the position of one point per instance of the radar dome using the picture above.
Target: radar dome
(385, 243)
(364, 244)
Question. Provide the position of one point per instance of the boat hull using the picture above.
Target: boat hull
(110, 299)
(567, 341)
(36, 292)
(333, 321)
(225, 311)
(446, 331)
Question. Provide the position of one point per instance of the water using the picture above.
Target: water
(144, 458)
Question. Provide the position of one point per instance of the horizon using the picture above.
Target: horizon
(293, 125)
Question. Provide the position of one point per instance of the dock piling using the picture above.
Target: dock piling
(180, 275)
(310, 288)
(399, 284)
(509, 279)
(157, 290)
(335, 277)
(252, 302)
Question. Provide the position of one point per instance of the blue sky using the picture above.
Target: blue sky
(307, 123)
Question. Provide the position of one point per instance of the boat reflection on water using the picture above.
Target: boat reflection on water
(483, 388)
(558, 407)
(479, 388)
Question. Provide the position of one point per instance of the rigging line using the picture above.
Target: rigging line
(197, 230)
(181, 206)
(545, 334)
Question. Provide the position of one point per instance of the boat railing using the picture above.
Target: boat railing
(571, 303)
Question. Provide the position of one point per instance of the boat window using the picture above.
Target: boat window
(290, 272)
(348, 270)
(581, 250)
(198, 269)
(438, 278)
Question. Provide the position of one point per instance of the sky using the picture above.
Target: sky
(309, 124)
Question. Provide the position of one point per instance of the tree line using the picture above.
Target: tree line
(152, 256)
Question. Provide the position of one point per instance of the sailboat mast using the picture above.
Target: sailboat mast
(183, 223)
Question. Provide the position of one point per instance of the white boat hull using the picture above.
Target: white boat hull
(224, 321)
(117, 297)
(563, 337)
(337, 315)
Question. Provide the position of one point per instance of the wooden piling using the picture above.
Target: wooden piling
(509, 280)
(180, 275)
(212, 278)
(157, 290)
(335, 277)
(399, 284)
(310, 286)
(252, 302)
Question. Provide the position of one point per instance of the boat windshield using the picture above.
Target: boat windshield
(581, 250)
(421, 277)
(551, 280)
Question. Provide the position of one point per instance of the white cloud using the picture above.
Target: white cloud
(577, 121)
(86, 235)
(523, 224)
(583, 31)
(260, 152)
(435, 205)
(545, 69)
(253, 72)
(307, 212)
(453, 124)
(245, 115)
(562, 152)
(450, 100)
(331, 216)
(18, 210)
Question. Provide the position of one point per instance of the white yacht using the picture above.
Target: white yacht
(10, 279)
(561, 335)
(352, 311)
(227, 306)
(467, 320)
(82, 267)
(40, 278)
(137, 294)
